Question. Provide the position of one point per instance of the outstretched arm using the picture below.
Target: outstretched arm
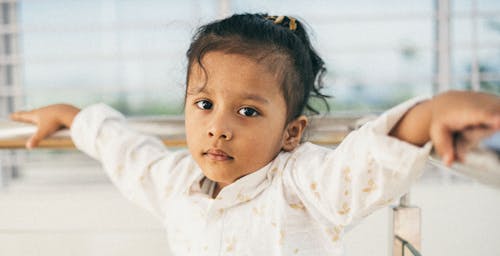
(140, 166)
(48, 119)
(471, 115)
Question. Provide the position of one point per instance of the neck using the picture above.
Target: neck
(218, 187)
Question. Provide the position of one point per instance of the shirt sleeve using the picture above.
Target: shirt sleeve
(140, 166)
(367, 171)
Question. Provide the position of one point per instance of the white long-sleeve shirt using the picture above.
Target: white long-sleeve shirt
(299, 204)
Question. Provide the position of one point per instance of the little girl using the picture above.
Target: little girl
(247, 185)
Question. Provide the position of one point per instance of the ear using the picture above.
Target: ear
(293, 133)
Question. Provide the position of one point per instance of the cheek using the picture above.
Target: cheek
(192, 136)
(266, 140)
(192, 124)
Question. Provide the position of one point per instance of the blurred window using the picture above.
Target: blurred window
(131, 54)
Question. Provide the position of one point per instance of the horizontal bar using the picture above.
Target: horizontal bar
(324, 131)
(67, 143)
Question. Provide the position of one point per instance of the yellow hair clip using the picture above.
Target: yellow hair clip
(279, 19)
(292, 22)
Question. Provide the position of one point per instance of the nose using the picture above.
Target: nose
(220, 129)
(222, 135)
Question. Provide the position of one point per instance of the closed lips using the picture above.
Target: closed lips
(217, 154)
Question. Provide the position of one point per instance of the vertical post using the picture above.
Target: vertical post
(11, 93)
(442, 66)
(10, 82)
(406, 225)
(474, 79)
(224, 8)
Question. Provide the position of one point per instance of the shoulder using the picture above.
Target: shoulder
(308, 152)
(179, 162)
(177, 168)
(305, 157)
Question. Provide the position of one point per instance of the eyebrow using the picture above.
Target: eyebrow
(197, 90)
(246, 96)
(255, 97)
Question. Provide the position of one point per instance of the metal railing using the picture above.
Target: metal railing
(406, 228)
(407, 245)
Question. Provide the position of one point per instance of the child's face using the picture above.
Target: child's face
(235, 120)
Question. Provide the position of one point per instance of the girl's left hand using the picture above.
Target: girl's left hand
(460, 120)
(454, 121)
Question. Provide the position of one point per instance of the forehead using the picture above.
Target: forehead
(232, 71)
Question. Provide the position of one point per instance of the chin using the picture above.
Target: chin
(218, 177)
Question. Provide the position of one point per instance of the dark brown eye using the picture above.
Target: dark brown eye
(248, 112)
(204, 104)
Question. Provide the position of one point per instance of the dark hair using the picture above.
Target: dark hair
(284, 47)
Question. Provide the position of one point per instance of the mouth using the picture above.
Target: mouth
(217, 155)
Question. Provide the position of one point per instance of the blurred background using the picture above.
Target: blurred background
(130, 54)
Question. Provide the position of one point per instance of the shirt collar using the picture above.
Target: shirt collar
(242, 190)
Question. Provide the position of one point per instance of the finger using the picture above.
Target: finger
(462, 146)
(475, 135)
(461, 153)
(469, 139)
(442, 138)
(473, 118)
(495, 122)
(485, 119)
(40, 134)
(22, 116)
